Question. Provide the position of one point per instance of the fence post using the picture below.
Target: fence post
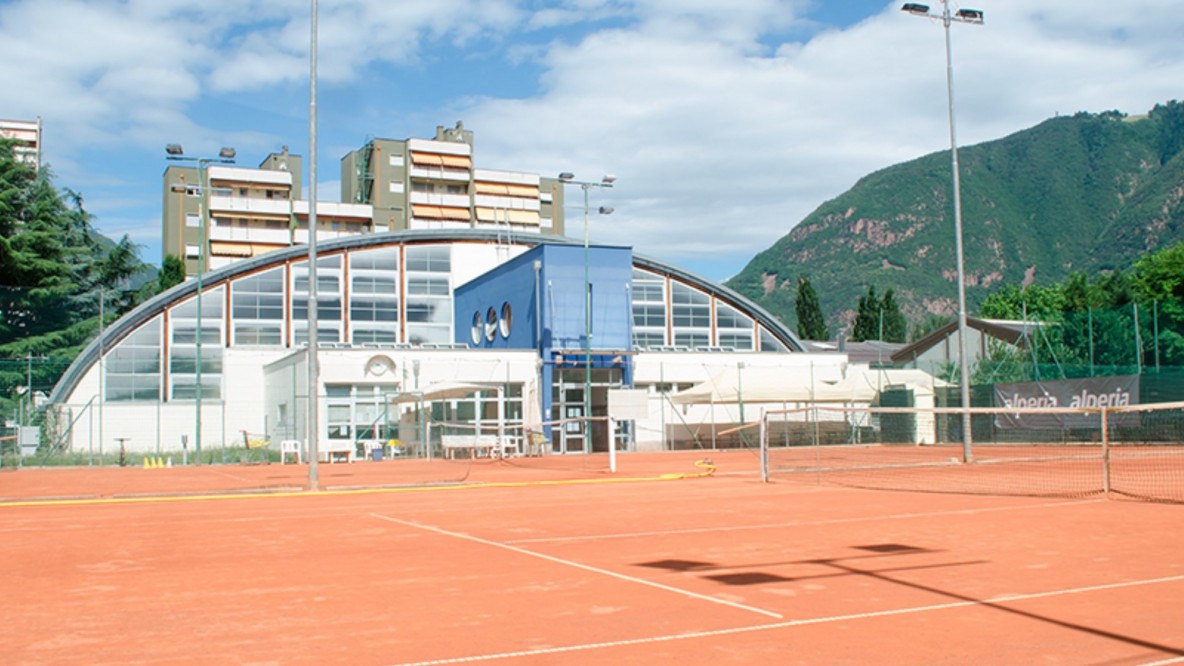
(1105, 452)
(764, 438)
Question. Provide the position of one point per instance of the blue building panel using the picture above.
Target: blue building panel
(547, 306)
(500, 309)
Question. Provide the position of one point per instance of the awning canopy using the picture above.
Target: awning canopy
(441, 391)
(774, 385)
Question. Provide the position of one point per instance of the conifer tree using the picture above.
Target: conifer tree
(867, 317)
(892, 327)
(811, 323)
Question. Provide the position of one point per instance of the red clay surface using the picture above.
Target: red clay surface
(719, 569)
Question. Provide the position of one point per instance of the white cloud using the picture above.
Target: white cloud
(726, 123)
(720, 150)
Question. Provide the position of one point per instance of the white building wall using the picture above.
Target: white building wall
(685, 369)
(397, 370)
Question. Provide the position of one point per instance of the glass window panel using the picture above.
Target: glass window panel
(692, 339)
(361, 335)
(729, 317)
(255, 334)
(374, 284)
(681, 293)
(769, 343)
(736, 340)
(383, 259)
(429, 258)
(648, 339)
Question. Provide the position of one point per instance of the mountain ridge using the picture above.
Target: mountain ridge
(1082, 193)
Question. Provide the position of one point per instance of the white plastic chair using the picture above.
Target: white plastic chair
(290, 447)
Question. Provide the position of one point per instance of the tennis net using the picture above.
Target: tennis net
(1133, 452)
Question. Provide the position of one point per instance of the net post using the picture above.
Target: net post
(764, 438)
(1105, 452)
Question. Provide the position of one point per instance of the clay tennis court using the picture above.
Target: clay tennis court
(403, 562)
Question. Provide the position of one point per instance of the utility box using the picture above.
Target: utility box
(29, 438)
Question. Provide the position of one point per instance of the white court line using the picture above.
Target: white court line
(801, 523)
(585, 567)
(800, 623)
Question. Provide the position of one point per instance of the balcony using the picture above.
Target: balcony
(249, 206)
(249, 235)
(336, 210)
(436, 199)
(505, 203)
(440, 173)
(301, 236)
(223, 174)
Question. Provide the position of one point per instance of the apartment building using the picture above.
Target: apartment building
(27, 135)
(386, 185)
(433, 184)
(239, 212)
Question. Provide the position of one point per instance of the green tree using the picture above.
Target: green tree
(1034, 303)
(867, 317)
(52, 267)
(811, 323)
(172, 273)
(930, 323)
(892, 322)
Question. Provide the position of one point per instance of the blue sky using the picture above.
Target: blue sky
(725, 123)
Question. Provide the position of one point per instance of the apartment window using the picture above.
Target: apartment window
(192, 220)
(396, 186)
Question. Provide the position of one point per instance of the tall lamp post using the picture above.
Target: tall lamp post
(225, 156)
(568, 178)
(314, 370)
(975, 17)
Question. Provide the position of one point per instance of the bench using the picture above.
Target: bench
(338, 450)
(475, 444)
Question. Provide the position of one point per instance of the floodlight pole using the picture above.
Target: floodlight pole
(567, 179)
(314, 482)
(974, 17)
(226, 156)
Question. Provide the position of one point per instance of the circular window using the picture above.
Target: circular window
(491, 324)
(475, 332)
(507, 320)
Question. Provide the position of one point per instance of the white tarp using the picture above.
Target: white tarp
(441, 391)
(776, 385)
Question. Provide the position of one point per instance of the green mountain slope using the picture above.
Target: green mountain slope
(1084, 193)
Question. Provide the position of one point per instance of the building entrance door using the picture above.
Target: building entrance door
(576, 434)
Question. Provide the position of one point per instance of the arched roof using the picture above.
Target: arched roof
(157, 304)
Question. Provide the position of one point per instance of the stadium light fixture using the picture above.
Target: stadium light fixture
(975, 17)
(568, 178)
(174, 152)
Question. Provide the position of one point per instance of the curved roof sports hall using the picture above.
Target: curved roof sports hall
(545, 329)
